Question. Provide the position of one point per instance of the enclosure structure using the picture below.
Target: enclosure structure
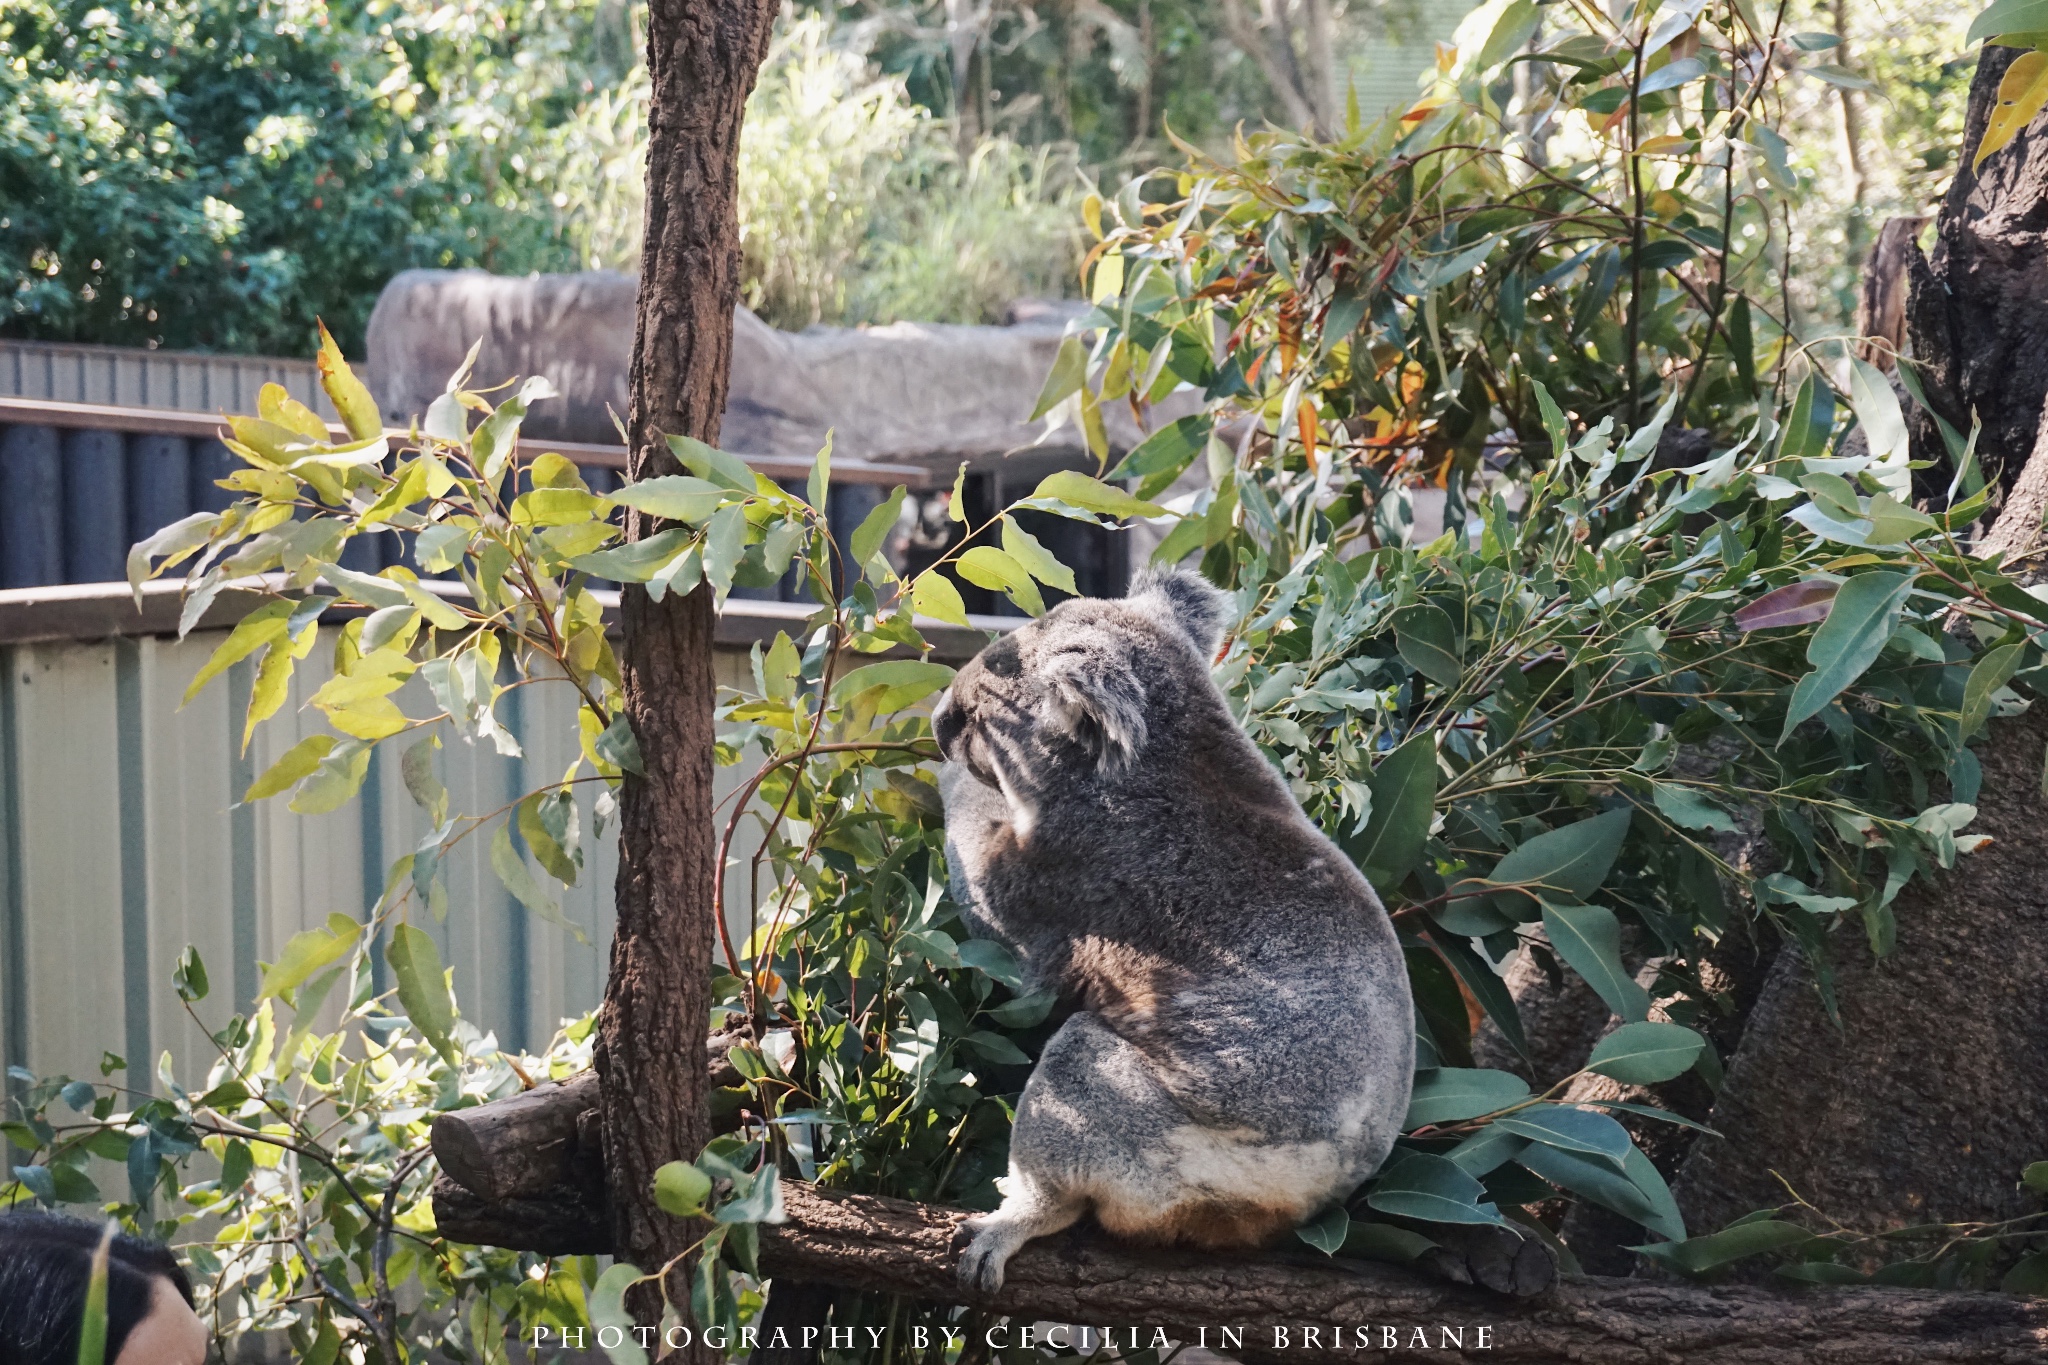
(123, 839)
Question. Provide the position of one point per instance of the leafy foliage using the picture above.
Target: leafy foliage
(214, 174)
(292, 1176)
(1559, 724)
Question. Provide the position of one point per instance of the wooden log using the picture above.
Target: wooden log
(528, 1144)
(561, 1222)
(1272, 1301)
(518, 1147)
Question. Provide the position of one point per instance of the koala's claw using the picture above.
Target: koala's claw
(983, 1253)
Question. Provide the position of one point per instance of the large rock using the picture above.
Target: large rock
(928, 393)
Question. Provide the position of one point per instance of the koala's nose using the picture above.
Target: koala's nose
(947, 722)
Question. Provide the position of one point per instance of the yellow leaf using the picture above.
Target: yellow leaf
(274, 404)
(2020, 96)
(374, 718)
(267, 440)
(273, 679)
(1109, 277)
(439, 613)
(934, 595)
(350, 398)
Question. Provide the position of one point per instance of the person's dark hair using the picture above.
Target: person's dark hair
(45, 1264)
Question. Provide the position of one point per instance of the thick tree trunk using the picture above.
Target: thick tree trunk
(702, 57)
(1301, 1308)
(1978, 309)
(1931, 1094)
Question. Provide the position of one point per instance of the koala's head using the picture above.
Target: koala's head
(1084, 687)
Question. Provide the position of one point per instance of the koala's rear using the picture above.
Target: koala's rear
(1244, 1039)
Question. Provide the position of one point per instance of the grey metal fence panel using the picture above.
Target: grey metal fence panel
(128, 377)
(124, 845)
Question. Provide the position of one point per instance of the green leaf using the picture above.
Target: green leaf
(676, 497)
(637, 561)
(1688, 809)
(190, 977)
(426, 790)
(708, 463)
(1422, 1185)
(874, 529)
(933, 594)
(369, 589)
(548, 822)
(819, 484)
(1809, 423)
(308, 952)
(1611, 1189)
(617, 746)
(1863, 616)
(335, 779)
(1403, 788)
(1428, 642)
(2029, 1276)
(607, 1303)
(725, 541)
(423, 987)
(1588, 938)
(899, 681)
(681, 1189)
(1575, 1130)
(1069, 369)
(1646, 1053)
(2009, 16)
(1697, 1255)
(513, 872)
(1077, 490)
(1987, 675)
(1451, 1094)
(1571, 860)
(758, 1202)
(1159, 459)
(260, 627)
(1038, 561)
(1327, 1230)
(1486, 986)
(987, 567)
(297, 762)
(1028, 1010)
(992, 959)
(1894, 523)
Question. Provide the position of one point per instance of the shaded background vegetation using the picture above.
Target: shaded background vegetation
(213, 174)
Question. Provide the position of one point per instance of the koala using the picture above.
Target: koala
(1242, 1042)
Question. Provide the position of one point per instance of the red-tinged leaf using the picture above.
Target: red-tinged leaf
(1795, 604)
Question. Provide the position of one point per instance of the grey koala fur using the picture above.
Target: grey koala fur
(1243, 1041)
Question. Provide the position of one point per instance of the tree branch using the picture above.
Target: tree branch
(890, 1246)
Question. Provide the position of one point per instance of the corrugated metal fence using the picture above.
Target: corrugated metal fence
(126, 376)
(123, 844)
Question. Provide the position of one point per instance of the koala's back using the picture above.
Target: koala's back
(1201, 916)
(1243, 1045)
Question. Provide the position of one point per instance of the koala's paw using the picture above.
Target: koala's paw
(983, 1248)
(1497, 1258)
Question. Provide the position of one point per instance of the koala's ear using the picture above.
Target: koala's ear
(1096, 697)
(1183, 598)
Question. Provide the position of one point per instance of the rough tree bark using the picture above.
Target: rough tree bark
(1926, 1100)
(702, 58)
(1302, 1308)
(1932, 1093)
(1977, 313)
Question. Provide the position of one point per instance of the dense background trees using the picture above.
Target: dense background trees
(213, 174)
